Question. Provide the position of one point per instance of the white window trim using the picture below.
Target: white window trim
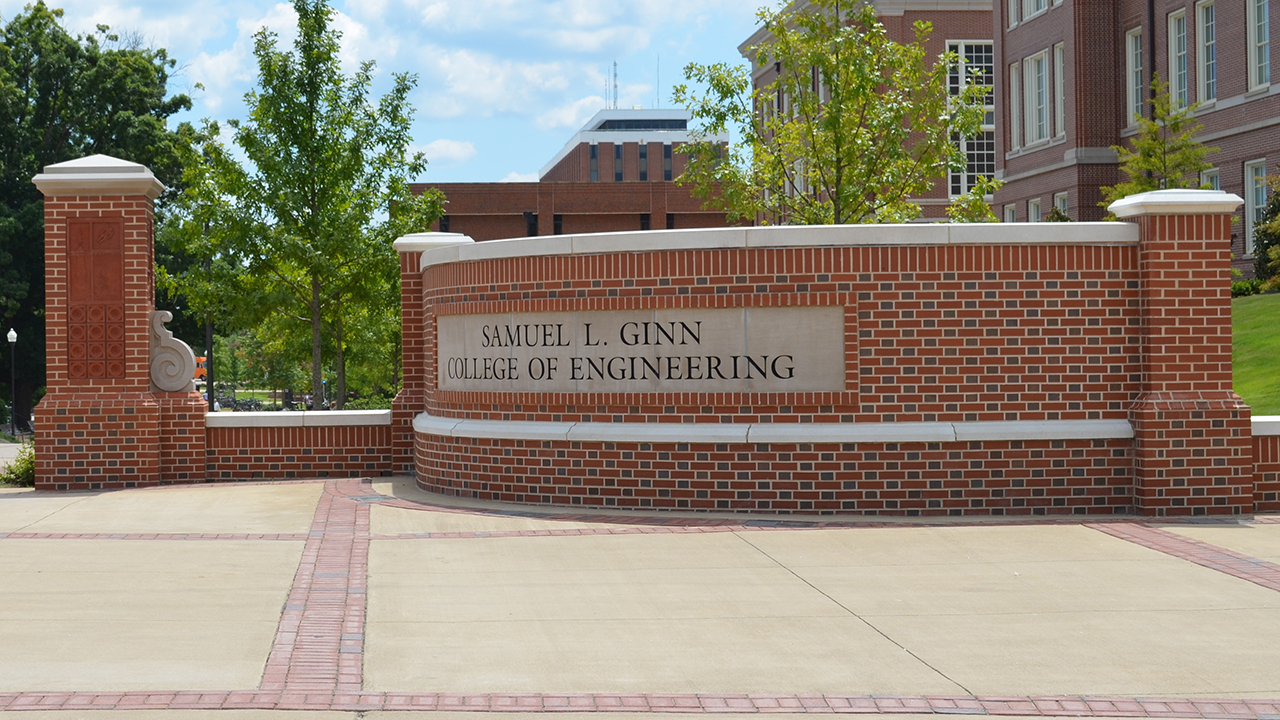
(1034, 213)
(1062, 201)
(1029, 15)
(1030, 110)
(988, 109)
(1011, 9)
(1011, 213)
(1202, 55)
(1179, 94)
(1255, 68)
(1130, 71)
(1214, 173)
(1059, 90)
(1015, 106)
(1251, 206)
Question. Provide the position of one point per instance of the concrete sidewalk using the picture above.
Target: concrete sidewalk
(329, 599)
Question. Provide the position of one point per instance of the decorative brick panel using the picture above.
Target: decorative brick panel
(298, 452)
(1266, 468)
(97, 442)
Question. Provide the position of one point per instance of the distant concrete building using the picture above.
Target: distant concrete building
(615, 174)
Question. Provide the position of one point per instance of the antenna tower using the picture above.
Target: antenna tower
(615, 84)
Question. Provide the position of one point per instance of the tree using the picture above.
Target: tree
(63, 97)
(1165, 154)
(1266, 239)
(973, 207)
(304, 227)
(854, 125)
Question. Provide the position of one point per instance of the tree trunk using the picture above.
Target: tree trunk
(317, 369)
(340, 393)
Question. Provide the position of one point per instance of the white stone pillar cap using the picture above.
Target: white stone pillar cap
(421, 242)
(98, 175)
(1176, 202)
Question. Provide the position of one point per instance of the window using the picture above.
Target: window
(1210, 180)
(644, 221)
(444, 223)
(1011, 213)
(1207, 57)
(1059, 89)
(1036, 88)
(1255, 199)
(1060, 201)
(1033, 211)
(1015, 108)
(644, 162)
(1031, 8)
(1013, 13)
(1178, 75)
(977, 67)
(1259, 43)
(530, 223)
(1134, 90)
(617, 162)
(557, 224)
(671, 221)
(595, 162)
(666, 162)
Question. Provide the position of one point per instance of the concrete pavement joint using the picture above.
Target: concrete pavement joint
(1254, 570)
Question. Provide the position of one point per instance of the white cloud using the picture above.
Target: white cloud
(572, 115)
(479, 83)
(513, 177)
(447, 152)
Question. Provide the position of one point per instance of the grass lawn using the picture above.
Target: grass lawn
(1255, 322)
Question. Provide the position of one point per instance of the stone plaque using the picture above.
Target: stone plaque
(796, 349)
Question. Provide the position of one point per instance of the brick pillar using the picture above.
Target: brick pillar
(1193, 442)
(100, 425)
(416, 342)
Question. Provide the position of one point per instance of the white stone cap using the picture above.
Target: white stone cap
(98, 175)
(788, 236)
(1266, 425)
(420, 242)
(1176, 202)
(906, 432)
(306, 418)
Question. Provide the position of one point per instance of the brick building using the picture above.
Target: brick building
(1073, 74)
(616, 174)
(961, 26)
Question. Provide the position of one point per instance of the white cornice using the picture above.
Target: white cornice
(98, 175)
(1176, 202)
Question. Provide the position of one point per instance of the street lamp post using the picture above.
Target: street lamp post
(13, 387)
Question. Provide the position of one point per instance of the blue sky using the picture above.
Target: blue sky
(502, 85)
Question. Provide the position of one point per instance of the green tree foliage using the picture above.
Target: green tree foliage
(974, 206)
(62, 97)
(1266, 240)
(854, 125)
(1165, 152)
(303, 228)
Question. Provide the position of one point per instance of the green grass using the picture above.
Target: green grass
(1255, 322)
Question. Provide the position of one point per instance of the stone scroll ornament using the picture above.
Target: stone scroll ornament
(173, 364)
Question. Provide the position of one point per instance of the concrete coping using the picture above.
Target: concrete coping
(305, 418)
(776, 432)
(1176, 202)
(1266, 425)
(783, 236)
(98, 175)
(419, 242)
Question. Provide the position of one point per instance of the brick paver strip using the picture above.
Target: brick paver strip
(151, 536)
(1043, 706)
(319, 645)
(1259, 572)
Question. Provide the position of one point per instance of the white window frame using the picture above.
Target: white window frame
(1011, 213)
(984, 141)
(1206, 52)
(1034, 8)
(1211, 177)
(1035, 75)
(1255, 198)
(1015, 106)
(1179, 60)
(1062, 201)
(1134, 82)
(1059, 90)
(1012, 8)
(1258, 42)
(1033, 211)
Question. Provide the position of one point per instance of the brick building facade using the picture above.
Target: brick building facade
(614, 175)
(1072, 75)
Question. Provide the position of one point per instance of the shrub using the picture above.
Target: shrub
(22, 471)
(1245, 288)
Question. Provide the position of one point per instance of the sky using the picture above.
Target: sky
(502, 84)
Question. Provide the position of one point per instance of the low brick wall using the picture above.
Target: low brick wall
(1266, 464)
(280, 445)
